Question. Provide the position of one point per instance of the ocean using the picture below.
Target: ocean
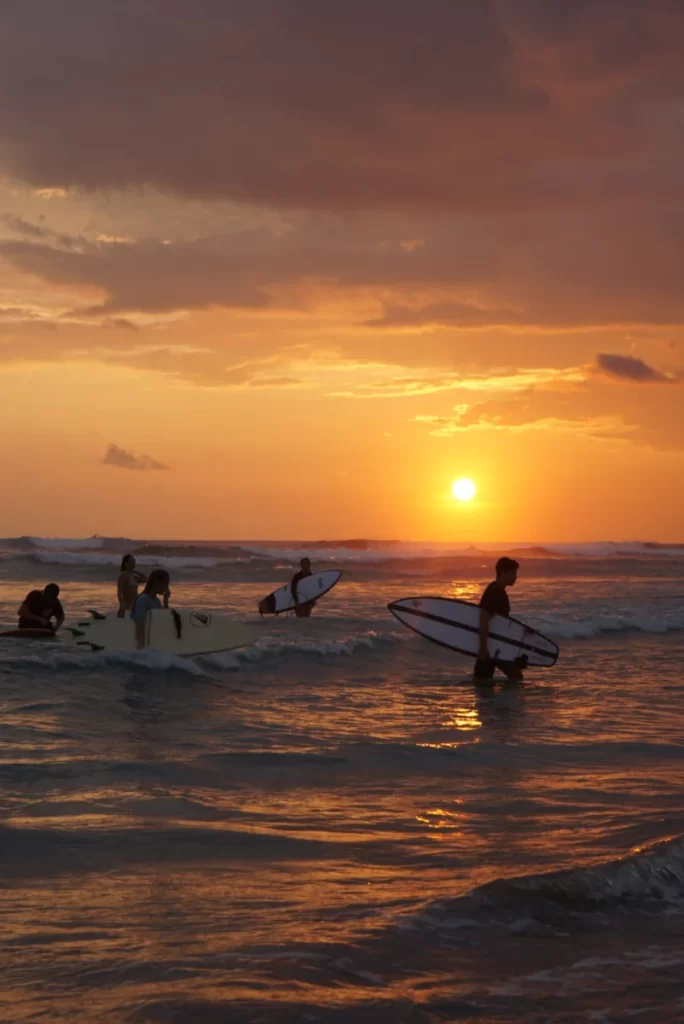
(335, 825)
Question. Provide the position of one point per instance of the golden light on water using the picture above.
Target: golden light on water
(463, 489)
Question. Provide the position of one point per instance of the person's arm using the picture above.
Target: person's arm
(293, 587)
(485, 619)
(26, 613)
(139, 577)
(167, 597)
(122, 599)
(59, 616)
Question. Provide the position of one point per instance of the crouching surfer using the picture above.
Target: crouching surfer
(157, 587)
(495, 601)
(40, 607)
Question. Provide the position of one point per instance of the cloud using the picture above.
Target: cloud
(630, 368)
(23, 227)
(603, 427)
(20, 226)
(370, 103)
(471, 274)
(123, 459)
(274, 382)
(501, 380)
(447, 314)
(644, 417)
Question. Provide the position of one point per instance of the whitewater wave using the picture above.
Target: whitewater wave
(54, 657)
(106, 559)
(62, 543)
(634, 620)
(17, 654)
(361, 551)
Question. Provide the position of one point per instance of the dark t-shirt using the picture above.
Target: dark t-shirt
(495, 600)
(46, 607)
(297, 578)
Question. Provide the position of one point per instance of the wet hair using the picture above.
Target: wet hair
(157, 578)
(124, 560)
(506, 565)
(52, 590)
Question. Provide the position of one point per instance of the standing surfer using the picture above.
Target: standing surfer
(157, 586)
(302, 610)
(127, 585)
(495, 601)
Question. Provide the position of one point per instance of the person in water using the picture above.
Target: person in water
(127, 585)
(495, 601)
(40, 607)
(302, 609)
(157, 587)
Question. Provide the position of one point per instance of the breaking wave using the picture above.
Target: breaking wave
(648, 879)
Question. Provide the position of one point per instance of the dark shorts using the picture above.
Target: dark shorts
(484, 670)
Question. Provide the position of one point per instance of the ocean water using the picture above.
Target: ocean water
(336, 825)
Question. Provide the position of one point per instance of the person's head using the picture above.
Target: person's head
(128, 563)
(51, 591)
(507, 571)
(305, 565)
(157, 582)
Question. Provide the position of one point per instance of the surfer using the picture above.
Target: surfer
(127, 585)
(157, 586)
(40, 607)
(495, 601)
(302, 609)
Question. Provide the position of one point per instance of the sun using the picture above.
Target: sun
(464, 489)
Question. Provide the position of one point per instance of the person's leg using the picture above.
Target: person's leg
(512, 671)
(484, 671)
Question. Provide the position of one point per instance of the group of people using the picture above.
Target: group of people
(42, 609)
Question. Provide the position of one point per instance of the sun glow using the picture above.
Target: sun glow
(463, 490)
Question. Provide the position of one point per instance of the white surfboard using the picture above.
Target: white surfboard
(456, 624)
(308, 589)
(200, 633)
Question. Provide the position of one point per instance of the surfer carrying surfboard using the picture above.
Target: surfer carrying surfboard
(302, 609)
(157, 586)
(495, 601)
(127, 585)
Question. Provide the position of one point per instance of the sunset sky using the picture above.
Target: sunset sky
(287, 268)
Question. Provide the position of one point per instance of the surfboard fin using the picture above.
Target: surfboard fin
(96, 615)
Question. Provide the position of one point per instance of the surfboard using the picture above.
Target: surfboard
(308, 589)
(456, 624)
(184, 633)
(30, 634)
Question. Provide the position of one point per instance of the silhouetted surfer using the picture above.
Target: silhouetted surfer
(302, 610)
(495, 601)
(127, 585)
(157, 587)
(40, 607)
